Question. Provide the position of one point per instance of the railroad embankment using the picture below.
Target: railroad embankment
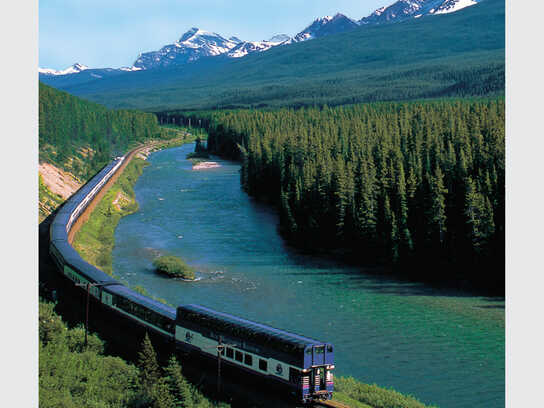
(95, 239)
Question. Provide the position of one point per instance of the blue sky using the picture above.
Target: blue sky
(111, 33)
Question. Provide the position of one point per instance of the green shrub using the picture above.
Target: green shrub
(174, 267)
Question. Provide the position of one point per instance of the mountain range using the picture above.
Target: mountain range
(197, 43)
(459, 54)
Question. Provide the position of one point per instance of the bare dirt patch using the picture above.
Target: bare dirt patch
(58, 181)
(120, 201)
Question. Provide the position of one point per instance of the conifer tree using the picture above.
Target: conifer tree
(162, 397)
(438, 191)
(148, 365)
(178, 385)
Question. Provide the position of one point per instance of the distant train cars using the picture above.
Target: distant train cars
(300, 365)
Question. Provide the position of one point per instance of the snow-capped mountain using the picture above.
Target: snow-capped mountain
(249, 47)
(192, 45)
(197, 43)
(73, 69)
(450, 6)
(406, 9)
(78, 68)
(326, 26)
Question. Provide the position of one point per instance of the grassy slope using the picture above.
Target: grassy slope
(47, 200)
(95, 240)
(455, 54)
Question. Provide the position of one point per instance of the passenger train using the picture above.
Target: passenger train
(300, 365)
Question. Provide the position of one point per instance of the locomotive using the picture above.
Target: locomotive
(300, 365)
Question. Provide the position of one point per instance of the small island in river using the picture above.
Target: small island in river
(174, 267)
(205, 165)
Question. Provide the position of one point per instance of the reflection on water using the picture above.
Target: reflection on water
(444, 348)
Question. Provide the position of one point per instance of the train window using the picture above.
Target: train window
(248, 360)
(329, 348)
(294, 375)
(230, 352)
(239, 356)
(319, 350)
(263, 365)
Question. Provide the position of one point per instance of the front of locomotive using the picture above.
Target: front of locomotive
(317, 378)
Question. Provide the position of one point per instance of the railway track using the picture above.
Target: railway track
(83, 218)
(329, 404)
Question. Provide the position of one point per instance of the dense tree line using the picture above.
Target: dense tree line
(81, 136)
(419, 184)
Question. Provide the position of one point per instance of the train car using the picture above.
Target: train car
(149, 313)
(303, 365)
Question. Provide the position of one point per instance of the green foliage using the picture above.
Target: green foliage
(178, 386)
(174, 267)
(459, 54)
(50, 325)
(81, 136)
(148, 365)
(417, 184)
(48, 201)
(71, 377)
(347, 388)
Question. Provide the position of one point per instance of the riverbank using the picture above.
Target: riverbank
(95, 240)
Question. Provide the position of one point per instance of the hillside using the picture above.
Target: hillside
(78, 137)
(457, 54)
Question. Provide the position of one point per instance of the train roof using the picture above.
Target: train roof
(241, 328)
(74, 260)
(145, 301)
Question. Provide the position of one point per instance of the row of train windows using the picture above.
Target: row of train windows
(90, 196)
(245, 358)
(143, 313)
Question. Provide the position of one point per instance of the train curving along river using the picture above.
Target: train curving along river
(445, 348)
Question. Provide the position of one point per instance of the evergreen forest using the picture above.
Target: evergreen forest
(81, 136)
(416, 185)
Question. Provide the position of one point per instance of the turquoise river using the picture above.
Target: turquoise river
(444, 347)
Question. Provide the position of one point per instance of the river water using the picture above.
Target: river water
(443, 348)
